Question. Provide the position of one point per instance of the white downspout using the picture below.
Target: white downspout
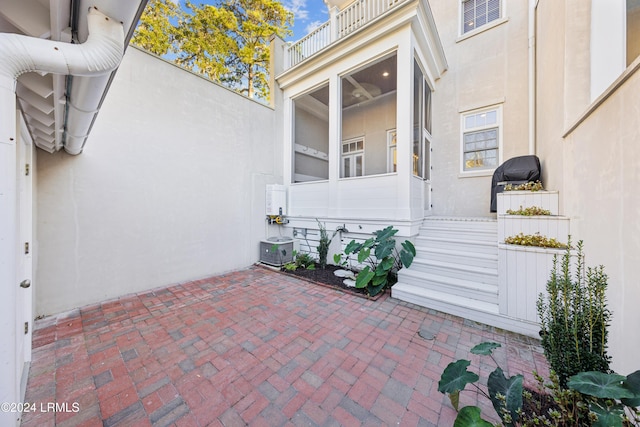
(96, 58)
(533, 4)
(99, 55)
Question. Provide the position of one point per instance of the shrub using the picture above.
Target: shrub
(534, 240)
(529, 211)
(386, 259)
(301, 260)
(527, 186)
(574, 318)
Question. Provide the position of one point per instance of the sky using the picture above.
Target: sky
(307, 15)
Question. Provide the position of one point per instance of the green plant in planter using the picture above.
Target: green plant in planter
(527, 186)
(529, 211)
(534, 240)
(574, 317)
(383, 258)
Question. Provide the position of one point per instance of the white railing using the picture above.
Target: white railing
(309, 45)
(341, 24)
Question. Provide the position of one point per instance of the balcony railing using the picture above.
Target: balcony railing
(341, 24)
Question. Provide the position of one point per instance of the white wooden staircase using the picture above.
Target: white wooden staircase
(456, 271)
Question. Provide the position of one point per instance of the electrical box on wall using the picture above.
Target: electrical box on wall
(276, 199)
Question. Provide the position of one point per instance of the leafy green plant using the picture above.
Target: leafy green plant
(613, 399)
(574, 317)
(300, 260)
(534, 240)
(593, 398)
(323, 244)
(527, 186)
(384, 260)
(505, 393)
(529, 211)
(341, 260)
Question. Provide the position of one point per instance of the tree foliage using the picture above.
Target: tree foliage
(155, 32)
(228, 41)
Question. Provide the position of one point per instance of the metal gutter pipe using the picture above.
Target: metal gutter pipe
(95, 58)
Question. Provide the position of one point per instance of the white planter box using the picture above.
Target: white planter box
(523, 275)
(556, 227)
(515, 199)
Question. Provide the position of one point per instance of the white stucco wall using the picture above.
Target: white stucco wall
(601, 175)
(485, 69)
(170, 187)
(595, 168)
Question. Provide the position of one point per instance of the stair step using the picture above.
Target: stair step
(443, 301)
(463, 245)
(461, 223)
(457, 287)
(458, 270)
(460, 233)
(479, 259)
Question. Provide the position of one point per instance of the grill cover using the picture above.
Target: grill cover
(517, 170)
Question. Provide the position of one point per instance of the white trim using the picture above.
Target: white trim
(499, 124)
(482, 29)
(352, 155)
(501, 20)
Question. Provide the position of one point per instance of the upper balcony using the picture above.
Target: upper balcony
(341, 24)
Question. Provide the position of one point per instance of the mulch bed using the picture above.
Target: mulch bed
(325, 277)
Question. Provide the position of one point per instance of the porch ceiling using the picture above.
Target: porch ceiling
(43, 97)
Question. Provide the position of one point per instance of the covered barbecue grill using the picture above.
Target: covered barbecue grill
(517, 170)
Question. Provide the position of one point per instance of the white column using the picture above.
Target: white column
(404, 125)
(9, 390)
(608, 43)
(333, 23)
(335, 140)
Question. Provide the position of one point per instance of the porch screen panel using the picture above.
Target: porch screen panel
(368, 114)
(311, 136)
(421, 124)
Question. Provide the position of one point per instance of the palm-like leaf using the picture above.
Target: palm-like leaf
(386, 233)
(511, 389)
(607, 417)
(364, 277)
(599, 384)
(455, 377)
(633, 384)
(385, 248)
(469, 416)
(485, 348)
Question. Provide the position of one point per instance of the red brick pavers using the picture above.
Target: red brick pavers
(259, 348)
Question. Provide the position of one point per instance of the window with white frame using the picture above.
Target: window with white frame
(481, 139)
(476, 13)
(352, 158)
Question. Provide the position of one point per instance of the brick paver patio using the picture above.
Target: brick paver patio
(257, 348)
